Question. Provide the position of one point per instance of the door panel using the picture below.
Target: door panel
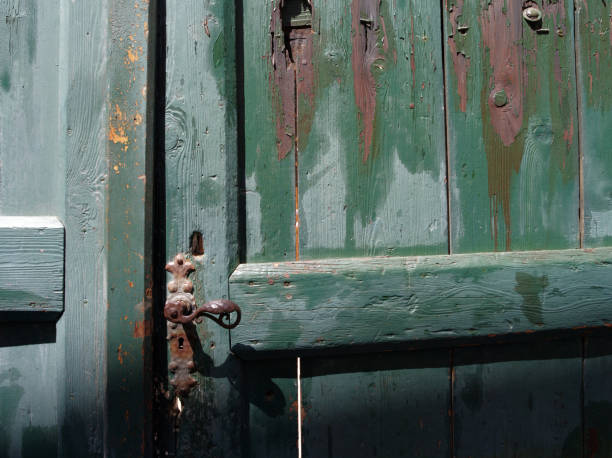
(385, 404)
(370, 152)
(519, 400)
(512, 127)
(343, 145)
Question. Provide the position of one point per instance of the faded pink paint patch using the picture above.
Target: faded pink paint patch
(501, 37)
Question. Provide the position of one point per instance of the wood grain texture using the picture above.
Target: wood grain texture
(31, 156)
(31, 268)
(387, 404)
(597, 397)
(519, 400)
(269, 165)
(81, 332)
(201, 195)
(371, 135)
(594, 57)
(328, 303)
(512, 127)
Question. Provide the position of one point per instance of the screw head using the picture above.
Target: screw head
(532, 14)
(500, 98)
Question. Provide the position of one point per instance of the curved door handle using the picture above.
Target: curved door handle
(181, 306)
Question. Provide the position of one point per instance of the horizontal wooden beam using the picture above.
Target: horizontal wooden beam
(340, 302)
(31, 268)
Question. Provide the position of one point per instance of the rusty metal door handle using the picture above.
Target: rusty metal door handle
(180, 305)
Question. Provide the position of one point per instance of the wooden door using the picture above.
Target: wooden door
(407, 200)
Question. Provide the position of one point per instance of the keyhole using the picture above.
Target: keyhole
(181, 341)
(197, 244)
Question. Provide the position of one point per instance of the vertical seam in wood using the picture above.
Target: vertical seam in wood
(296, 163)
(579, 133)
(452, 402)
(299, 407)
(582, 420)
(446, 146)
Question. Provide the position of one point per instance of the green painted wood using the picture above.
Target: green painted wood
(594, 51)
(31, 155)
(269, 165)
(81, 331)
(519, 400)
(31, 268)
(334, 302)
(371, 136)
(128, 240)
(201, 195)
(270, 390)
(386, 404)
(597, 397)
(513, 168)
(29, 408)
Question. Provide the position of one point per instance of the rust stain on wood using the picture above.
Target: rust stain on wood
(293, 80)
(461, 62)
(502, 104)
(365, 25)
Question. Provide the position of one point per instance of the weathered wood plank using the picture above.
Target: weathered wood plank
(81, 331)
(270, 389)
(31, 268)
(269, 125)
(201, 196)
(512, 123)
(328, 303)
(129, 226)
(597, 397)
(31, 154)
(371, 137)
(594, 56)
(518, 400)
(387, 404)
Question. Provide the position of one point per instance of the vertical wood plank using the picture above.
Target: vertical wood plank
(387, 404)
(30, 147)
(201, 195)
(513, 177)
(512, 124)
(597, 397)
(129, 226)
(83, 96)
(371, 132)
(594, 57)
(518, 400)
(270, 389)
(269, 104)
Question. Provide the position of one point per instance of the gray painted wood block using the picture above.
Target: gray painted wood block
(31, 268)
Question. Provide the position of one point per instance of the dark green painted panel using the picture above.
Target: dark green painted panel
(128, 242)
(518, 400)
(594, 55)
(512, 126)
(270, 390)
(336, 302)
(387, 404)
(31, 267)
(201, 196)
(371, 136)
(597, 397)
